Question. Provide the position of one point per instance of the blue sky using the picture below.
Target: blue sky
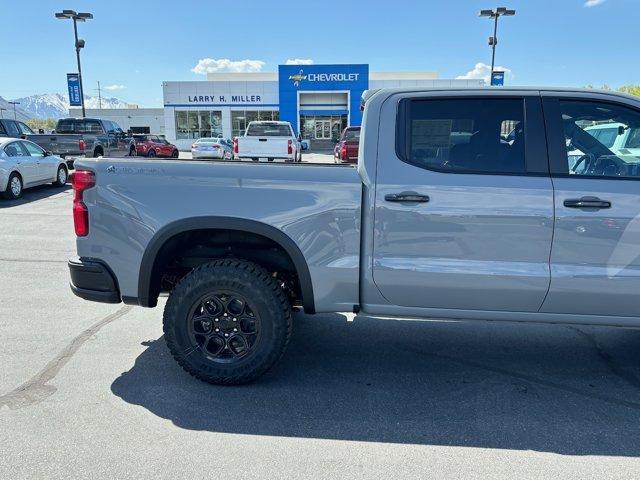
(133, 46)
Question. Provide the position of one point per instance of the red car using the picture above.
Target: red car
(346, 150)
(154, 146)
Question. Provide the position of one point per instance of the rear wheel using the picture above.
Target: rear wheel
(151, 153)
(132, 151)
(98, 153)
(227, 322)
(14, 187)
(175, 154)
(61, 177)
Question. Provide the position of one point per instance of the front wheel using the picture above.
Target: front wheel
(227, 322)
(151, 153)
(175, 154)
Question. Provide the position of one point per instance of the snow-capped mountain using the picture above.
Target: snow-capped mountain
(6, 111)
(56, 105)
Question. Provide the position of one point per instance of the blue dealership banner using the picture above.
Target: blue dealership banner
(75, 94)
(497, 79)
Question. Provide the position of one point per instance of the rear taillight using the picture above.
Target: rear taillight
(81, 180)
(343, 151)
(82, 145)
(235, 145)
(194, 146)
(216, 146)
(290, 147)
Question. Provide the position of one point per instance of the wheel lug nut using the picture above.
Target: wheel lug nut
(217, 329)
(235, 319)
(225, 314)
(226, 334)
(217, 320)
(235, 329)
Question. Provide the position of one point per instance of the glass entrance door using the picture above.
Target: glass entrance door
(323, 129)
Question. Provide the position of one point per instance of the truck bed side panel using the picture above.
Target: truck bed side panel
(318, 207)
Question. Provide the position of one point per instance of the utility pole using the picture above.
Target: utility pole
(14, 108)
(77, 17)
(493, 41)
(2, 110)
(99, 96)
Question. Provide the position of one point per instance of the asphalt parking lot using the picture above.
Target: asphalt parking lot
(89, 390)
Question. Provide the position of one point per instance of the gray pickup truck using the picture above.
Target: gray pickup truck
(483, 204)
(78, 137)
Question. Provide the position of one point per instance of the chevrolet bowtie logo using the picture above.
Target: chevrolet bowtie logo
(297, 78)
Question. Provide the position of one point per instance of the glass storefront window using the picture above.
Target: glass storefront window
(196, 124)
(322, 127)
(241, 118)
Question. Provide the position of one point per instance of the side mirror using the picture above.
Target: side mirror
(621, 129)
(47, 153)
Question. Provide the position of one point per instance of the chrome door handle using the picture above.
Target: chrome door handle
(587, 202)
(408, 197)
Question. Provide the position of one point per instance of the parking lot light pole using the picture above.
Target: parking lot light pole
(14, 109)
(493, 41)
(77, 17)
(2, 109)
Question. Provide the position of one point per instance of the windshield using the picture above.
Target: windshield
(268, 130)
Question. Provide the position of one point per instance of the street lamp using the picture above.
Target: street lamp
(76, 17)
(2, 109)
(495, 14)
(14, 108)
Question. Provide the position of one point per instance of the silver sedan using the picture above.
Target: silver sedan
(220, 148)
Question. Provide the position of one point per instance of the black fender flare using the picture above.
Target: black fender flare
(145, 296)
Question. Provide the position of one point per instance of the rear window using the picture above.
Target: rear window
(141, 138)
(352, 134)
(88, 126)
(65, 126)
(268, 130)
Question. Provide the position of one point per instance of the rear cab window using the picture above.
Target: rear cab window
(463, 135)
(66, 126)
(268, 130)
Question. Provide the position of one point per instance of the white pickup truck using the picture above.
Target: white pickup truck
(266, 142)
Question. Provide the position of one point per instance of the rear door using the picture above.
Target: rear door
(595, 259)
(45, 167)
(463, 202)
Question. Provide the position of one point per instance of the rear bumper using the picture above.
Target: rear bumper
(92, 280)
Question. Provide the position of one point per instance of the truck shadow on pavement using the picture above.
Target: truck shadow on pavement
(561, 389)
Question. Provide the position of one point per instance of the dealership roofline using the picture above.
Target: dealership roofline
(273, 76)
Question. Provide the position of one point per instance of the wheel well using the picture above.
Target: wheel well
(98, 151)
(186, 250)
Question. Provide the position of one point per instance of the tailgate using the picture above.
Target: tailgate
(68, 144)
(263, 146)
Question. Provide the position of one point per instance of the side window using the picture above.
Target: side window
(34, 150)
(15, 149)
(25, 129)
(595, 134)
(3, 131)
(12, 129)
(476, 135)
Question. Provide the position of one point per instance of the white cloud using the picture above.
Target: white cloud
(211, 65)
(114, 87)
(299, 61)
(593, 3)
(483, 71)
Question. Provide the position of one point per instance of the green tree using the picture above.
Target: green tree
(630, 89)
(47, 124)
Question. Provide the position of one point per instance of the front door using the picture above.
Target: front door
(463, 203)
(323, 129)
(25, 163)
(45, 167)
(594, 149)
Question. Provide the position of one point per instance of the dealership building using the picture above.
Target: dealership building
(318, 100)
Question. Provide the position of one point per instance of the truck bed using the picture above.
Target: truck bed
(316, 206)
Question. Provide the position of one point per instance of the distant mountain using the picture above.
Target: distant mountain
(56, 105)
(6, 111)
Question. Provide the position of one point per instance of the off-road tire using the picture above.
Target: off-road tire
(263, 293)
